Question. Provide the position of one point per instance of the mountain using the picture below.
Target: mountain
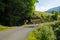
(52, 9)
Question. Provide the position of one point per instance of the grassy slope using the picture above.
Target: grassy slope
(42, 13)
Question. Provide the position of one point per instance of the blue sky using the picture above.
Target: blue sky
(44, 5)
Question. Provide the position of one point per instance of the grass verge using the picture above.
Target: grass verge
(3, 27)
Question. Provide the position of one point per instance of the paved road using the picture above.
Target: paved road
(17, 33)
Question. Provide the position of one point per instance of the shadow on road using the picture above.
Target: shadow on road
(29, 27)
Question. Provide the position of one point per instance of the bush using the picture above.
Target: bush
(46, 31)
(42, 33)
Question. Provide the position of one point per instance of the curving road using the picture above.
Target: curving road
(17, 33)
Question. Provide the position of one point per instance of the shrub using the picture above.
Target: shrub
(46, 31)
(42, 33)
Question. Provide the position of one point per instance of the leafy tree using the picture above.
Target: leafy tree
(14, 12)
(54, 17)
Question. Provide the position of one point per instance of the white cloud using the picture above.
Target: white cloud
(40, 8)
(47, 6)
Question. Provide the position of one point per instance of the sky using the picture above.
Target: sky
(44, 5)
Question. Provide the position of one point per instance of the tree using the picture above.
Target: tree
(14, 12)
(54, 17)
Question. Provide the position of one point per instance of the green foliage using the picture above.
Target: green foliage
(43, 32)
(56, 28)
(47, 17)
(44, 17)
(55, 12)
(55, 16)
(46, 31)
(14, 12)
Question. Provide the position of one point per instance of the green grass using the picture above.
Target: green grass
(42, 13)
(3, 27)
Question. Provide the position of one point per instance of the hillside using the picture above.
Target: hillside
(38, 13)
(52, 9)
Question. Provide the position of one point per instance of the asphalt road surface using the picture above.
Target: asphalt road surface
(16, 33)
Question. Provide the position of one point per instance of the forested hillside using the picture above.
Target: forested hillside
(52, 9)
